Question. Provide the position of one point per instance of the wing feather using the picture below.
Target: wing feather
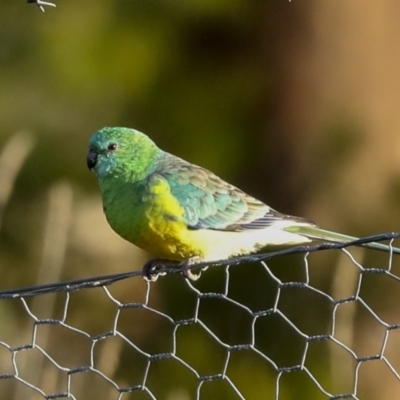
(211, 203)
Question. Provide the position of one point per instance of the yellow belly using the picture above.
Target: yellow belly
(153, 220)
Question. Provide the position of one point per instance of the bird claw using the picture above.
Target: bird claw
(187, 271)
(41, 3)
(153, 269)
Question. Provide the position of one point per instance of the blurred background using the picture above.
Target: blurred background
(294, 102)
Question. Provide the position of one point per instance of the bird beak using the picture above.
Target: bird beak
(91, 159)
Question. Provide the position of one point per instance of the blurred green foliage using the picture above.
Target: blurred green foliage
(187, 73)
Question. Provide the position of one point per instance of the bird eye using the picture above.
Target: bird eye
(112, 146)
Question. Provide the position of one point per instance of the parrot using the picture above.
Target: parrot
(183, 213)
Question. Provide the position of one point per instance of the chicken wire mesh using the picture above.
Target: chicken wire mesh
(41, 4)
(303, 320)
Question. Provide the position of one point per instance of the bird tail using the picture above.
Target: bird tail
(315, 233)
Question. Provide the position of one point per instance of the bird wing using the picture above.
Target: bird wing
(211, 203)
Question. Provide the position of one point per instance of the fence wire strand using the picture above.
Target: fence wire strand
(155, 337)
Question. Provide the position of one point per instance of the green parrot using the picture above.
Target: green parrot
(183, 213)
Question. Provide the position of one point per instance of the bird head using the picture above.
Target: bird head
(121, 152)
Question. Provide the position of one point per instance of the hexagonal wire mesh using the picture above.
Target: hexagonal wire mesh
(271, 326)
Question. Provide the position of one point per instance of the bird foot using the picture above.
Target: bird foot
(154, 268)
(187, 271)
(41, 3)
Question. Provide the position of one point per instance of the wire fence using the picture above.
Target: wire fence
(321, 321)
(41, 4)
